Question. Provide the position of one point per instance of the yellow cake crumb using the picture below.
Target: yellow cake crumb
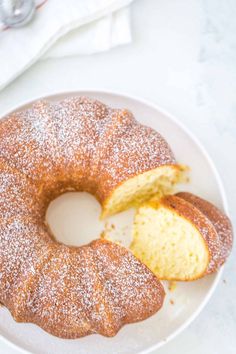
(172, 285)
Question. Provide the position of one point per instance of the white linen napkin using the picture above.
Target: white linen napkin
(95, 25)
(101, 35)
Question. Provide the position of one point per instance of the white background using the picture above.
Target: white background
(183, 58)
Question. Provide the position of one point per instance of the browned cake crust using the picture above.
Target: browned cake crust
(80, 144)
(220, 221)
(94, 289)
(52, 147)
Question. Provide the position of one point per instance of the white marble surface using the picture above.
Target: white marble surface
(183, 58)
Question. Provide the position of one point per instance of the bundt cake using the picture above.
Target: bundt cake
(181, 237)
(76, 144)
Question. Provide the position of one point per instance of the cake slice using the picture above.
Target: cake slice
(181, 237)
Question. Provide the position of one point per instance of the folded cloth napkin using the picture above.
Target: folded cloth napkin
(78, 27)
(101, 35)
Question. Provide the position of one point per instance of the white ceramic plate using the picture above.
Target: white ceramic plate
(188, 298)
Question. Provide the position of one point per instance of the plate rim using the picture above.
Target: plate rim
(199, 145)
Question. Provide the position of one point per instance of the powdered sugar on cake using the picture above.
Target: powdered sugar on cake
(70, 292)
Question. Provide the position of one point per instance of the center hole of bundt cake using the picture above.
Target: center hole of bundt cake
(73, 218)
